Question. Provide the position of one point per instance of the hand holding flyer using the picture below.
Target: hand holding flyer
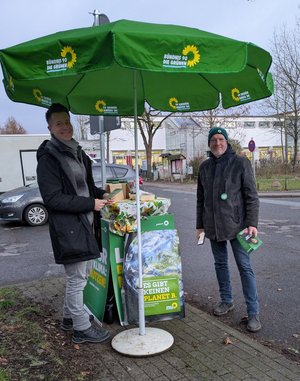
(248, 242)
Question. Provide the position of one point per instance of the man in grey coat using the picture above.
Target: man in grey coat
(227, 202)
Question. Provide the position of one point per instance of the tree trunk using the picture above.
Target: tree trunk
(149, 159)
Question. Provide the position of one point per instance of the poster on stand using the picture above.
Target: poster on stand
(110, 264)
(162, 272)
(95, 291)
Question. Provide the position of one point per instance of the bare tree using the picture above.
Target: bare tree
(205, 120)
(286, 73)
(148, 127)
(218, 117)
(81, 129)
(11, 126)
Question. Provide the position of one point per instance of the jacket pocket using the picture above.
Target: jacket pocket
(73, 240)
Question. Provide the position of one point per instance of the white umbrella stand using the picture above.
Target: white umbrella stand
(142, 341)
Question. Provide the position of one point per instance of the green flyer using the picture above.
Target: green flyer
(161, 295)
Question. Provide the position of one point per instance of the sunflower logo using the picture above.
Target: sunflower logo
(37, 94)
(100, 104)
(11, 83)
(193, 52)
(173, 103)
(68, 50)
(174, 305)
(235, 94)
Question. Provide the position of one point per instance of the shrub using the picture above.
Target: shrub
(195, 164)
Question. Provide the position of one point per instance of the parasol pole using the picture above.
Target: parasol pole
(138, 215)
(140, 342)
(99, 19)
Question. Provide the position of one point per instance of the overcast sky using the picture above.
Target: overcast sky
(23, 20)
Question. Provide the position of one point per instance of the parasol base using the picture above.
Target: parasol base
(131, 343)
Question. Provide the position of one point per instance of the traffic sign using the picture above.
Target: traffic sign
(251, 145)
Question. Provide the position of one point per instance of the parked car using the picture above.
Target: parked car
(26, 204)
(23, 204)
(114, 172)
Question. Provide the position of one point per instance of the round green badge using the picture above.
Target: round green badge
(224, 196)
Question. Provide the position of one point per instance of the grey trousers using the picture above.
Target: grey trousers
(76, 277)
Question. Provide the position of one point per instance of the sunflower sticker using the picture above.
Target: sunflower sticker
(102, 107)
(238, 96)
(178, 106)
(40, 98)
(67, 60)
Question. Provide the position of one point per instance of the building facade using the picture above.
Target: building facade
(183, 138)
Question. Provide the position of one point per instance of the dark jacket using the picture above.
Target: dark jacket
(71, 233)
(231, 176)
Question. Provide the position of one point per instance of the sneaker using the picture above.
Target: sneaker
(90, 335)
(223, 308)
(67, 323)
(254, 324)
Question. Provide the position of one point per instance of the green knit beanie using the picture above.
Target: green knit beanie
(217, 130)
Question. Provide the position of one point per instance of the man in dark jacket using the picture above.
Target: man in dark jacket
(73, 202)
(227, 202)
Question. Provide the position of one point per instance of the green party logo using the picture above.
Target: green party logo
(40, 98)
(188, 58)
(66, 61)
(102, 107)
(192, 52)
(10, 84)
(178, 106)
(237, 96)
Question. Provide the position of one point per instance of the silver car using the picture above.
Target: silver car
(26, 204)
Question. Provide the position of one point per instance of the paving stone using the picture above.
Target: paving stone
(198, 353)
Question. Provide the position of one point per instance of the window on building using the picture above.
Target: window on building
(249, 124)
(278, 124)
(264, 124)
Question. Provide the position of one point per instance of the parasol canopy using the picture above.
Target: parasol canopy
(179, 69)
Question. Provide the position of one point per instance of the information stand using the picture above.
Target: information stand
(163, 293)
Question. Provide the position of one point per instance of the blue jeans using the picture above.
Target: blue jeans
(247, 275)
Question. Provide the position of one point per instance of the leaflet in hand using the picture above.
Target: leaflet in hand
(248, 243)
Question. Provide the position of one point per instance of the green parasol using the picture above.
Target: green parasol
(113, 69)
(178, 68)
